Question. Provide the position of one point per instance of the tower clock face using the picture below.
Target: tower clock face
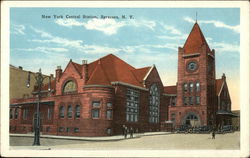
(192, 66)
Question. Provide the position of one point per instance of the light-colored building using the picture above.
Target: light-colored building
(18, 82)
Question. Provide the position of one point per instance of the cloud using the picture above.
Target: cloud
(188, 19)
(218, 24)
(107, 26)
(142, 23)
(222, 47)
(171, 29)
(17, 29)
(180, 37)
(43, 49)
(55, 39)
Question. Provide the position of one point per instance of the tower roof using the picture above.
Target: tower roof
(195, 40)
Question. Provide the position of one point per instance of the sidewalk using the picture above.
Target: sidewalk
(104, 138)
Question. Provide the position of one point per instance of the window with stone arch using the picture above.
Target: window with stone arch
(69, 87)
(154, 103)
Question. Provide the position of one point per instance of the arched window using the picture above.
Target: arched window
(192, 117)
(77, 113)
(69, 111)
(185, 87)
(197, 86)
(61, 111)
(191, 86)
(69, 87)
(154, 104)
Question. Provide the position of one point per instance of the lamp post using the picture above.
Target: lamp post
(39, 78)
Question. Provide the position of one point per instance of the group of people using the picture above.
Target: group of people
(126, 130)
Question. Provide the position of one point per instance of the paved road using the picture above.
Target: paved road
(160, 142)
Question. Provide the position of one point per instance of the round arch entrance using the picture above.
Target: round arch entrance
(191, 119)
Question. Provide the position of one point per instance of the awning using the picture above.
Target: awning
(226, 113)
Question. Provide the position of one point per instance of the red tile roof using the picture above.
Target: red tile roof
(195, 40)
(78, 67)
(140, 73)
(219, 83)
(111, 68)
(170, 90)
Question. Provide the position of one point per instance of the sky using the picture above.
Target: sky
(146, 36)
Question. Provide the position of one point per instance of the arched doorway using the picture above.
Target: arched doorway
(191, 119)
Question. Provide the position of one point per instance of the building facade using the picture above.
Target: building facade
(198, 99)
(95, 99)
(98, 98)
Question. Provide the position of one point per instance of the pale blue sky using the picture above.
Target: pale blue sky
(152, 37)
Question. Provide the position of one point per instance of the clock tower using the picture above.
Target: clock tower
(196, 81)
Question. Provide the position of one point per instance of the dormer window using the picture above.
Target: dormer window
(69, 87)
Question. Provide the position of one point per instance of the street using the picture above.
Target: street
(166, 141)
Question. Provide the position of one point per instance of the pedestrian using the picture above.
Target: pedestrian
(213, 134)
(131, 132)
(125, 132)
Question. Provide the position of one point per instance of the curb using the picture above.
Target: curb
(107, 138)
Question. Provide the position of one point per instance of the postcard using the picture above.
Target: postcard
(114, 78)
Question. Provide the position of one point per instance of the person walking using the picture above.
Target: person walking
(131, 132)
(213, 134)
(125, 132)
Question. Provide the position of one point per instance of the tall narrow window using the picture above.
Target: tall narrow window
(197, 86)
(109, 114)
(132, 108)
(11, 114)
(96, 109)
(95, 113)
(69, 111)
(61, 115)
(16, 113)
(185, 100)
(25, 113)
(77, 114)
(197, 100)
(154, 104)
(191, 86)
(49, 113)
(191, 100)
(173, 101)
(173, 117)
(185, 87)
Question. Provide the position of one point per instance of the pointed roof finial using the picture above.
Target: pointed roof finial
(196, 18)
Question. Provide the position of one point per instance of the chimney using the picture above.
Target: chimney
(85, 70)
(58, 73)
(20, 67)
(223, 76)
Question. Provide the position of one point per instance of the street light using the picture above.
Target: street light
(39, 82)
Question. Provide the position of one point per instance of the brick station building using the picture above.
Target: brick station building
(198, 98)
(96, 99)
